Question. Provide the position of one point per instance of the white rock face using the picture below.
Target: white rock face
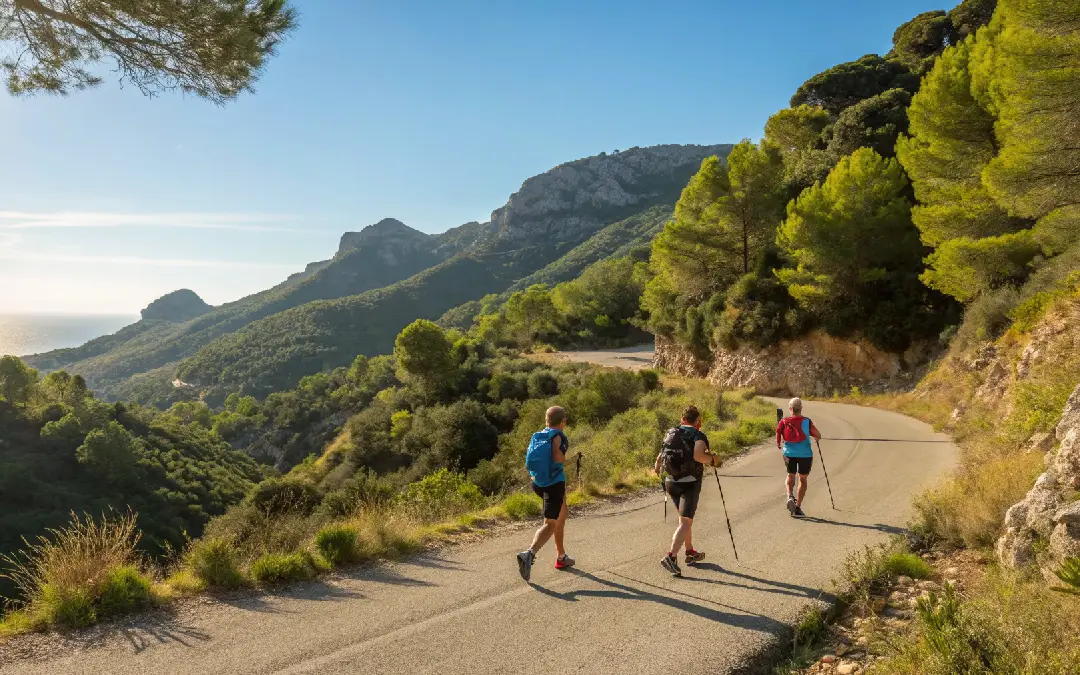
(815, 365)
(1048, 512)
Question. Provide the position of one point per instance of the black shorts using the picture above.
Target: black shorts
(553, 496)
(799, 464)
(684, 496)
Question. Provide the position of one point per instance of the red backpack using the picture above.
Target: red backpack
(792, 430)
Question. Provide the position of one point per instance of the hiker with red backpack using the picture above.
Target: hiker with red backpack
(683, 456)
(544, 460)
(793, 434)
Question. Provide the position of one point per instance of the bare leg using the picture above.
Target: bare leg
(543, 534)
(682, 534)
(790, 484)
(560, 527)
(689, 540)
(802, 488)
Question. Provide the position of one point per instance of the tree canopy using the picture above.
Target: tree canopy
(848, 83)
(214, 49)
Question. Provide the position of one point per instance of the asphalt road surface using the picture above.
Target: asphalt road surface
(466, 610)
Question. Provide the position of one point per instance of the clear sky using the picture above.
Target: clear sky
(430, 112)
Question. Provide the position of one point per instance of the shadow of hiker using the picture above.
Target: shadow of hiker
(161, 630)
(619, 591)
(880, 527)
(765, 585)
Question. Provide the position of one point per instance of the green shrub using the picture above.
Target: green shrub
(440, 495)
(908, 565)
(276, 496)
(125, 590)
(274, 568)
(521, 505)
(364, 488)
(80, 573)
(1070, 574)
(650, 379)
(490, 477)
(337, 544)
(65, 607)
(214, 561)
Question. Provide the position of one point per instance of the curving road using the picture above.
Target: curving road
(466, 610)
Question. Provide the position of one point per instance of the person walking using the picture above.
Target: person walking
(544, 460)
(793, 434)
(683, 456)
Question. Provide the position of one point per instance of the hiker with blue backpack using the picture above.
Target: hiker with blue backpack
(544, 461)
(683, 456)
(793, 434)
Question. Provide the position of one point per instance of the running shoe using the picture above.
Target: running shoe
(694, 557)
(671, 565)
(525, 562)
(791, 506)
(798, 512)
(564, 563)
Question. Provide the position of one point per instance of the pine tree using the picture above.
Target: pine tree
(848, 235)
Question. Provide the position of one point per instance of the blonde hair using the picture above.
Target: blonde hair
(555, 416)
(796, 405)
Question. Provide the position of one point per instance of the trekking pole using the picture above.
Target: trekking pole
(663, 488)
(577, 469)
(822, 457)
(722, 501)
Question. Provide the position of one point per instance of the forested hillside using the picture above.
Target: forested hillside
(61, 450)
(409, 274)
(380, 254)
(548, 217)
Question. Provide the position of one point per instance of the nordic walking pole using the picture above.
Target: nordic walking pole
(663, 488)
(722, 501)
(822, 458)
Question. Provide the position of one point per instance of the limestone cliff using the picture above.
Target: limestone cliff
(816, 365)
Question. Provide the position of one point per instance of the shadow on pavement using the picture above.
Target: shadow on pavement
(619, 591)
(764, 585)
(880, 527)
(161, 631)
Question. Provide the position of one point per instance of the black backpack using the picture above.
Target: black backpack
(678, 453)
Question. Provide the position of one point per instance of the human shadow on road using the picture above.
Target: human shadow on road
(160, 630)
(880, 527)
(765, 585)
(619, 591)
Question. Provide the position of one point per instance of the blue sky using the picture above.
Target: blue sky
(429, 112)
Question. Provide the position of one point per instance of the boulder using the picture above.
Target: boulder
(1066, 462)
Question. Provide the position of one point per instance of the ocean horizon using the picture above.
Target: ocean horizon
(23, 334)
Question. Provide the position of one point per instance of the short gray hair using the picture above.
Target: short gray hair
(795, 404)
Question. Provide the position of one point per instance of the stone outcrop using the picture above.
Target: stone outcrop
(1048, 518)
(816, 365)
(176, 307)
(575, 197)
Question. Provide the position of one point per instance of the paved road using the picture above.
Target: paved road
(466, 610)
(631, 358)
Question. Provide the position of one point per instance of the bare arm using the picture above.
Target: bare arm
(704, 456)
(557, 454)
(659, 465)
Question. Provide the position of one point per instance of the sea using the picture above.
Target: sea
(25, 334)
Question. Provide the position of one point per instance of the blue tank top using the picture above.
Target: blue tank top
(802, 448)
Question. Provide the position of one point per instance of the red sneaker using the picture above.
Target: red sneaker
(563, 563)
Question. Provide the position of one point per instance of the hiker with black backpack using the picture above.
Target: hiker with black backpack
(683, 456)
(544, 460)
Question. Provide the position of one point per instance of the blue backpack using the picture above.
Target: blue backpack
(542, 469)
